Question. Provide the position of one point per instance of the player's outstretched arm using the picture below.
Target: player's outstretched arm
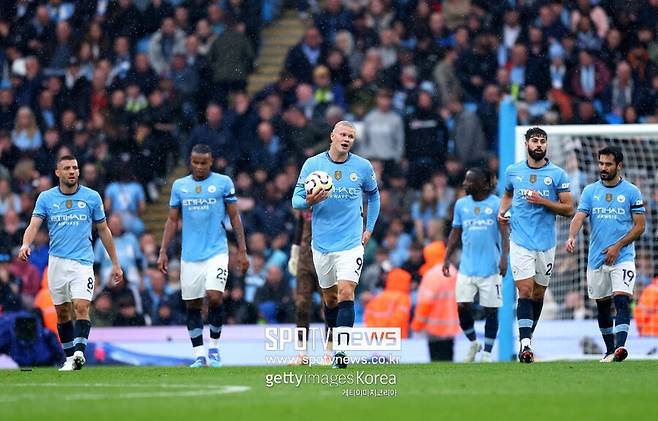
(28, 237)
(453, 242)
(171, 225)
(563, 207)
(612, 252)
(236, 223)
(106, 237)
(574, 229)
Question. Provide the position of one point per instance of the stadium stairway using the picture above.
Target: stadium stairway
(157, 211)
(277, 38)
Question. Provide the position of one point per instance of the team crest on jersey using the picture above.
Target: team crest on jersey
(488, 211)
(533, 178)
(69, 204)
(81, 204)
(212, 189)
(353, 176)
(477, 211)
(198, 189)
(621, 198)
(548, 181)
(338, 174)
(608, 197)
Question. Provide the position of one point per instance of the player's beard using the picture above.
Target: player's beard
(69, 183)
(608, 176)
(536, 155)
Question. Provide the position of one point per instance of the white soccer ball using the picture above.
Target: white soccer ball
(318, 180)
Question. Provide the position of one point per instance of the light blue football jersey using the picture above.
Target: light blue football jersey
(69, 218)
(337, 222)
(480, 235)
(203, 207)
(610, 211)
(533, 226)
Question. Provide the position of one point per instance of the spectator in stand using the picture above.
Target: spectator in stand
(590, 77)
(127, 199)
(309, 53)
(274, 299)
(26, 135)
(383, 137)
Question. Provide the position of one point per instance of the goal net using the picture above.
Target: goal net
(575, 148)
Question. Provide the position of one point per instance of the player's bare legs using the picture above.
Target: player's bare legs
(525, 316)
(195, 330)
(215, 322)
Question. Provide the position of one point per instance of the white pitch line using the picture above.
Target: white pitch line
(217, 390)
(161, 385)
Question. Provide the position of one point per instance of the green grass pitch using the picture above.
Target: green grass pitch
(508, 391)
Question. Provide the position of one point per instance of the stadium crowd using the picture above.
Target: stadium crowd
(129, 87)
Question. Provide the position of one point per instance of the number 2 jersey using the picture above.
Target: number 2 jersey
(533, 226)
(610, 211)
(203, 209)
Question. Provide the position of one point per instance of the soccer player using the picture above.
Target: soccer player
(616, 212)
(536, 191)
(485, 246)
(301, 266)
(69, 211)
(337, 224)
(203, 199)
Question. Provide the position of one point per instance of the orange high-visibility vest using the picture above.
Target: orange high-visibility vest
(646, 310)
(436, 310)
(391, 308)
(44, 301)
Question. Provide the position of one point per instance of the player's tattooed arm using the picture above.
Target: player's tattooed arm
(28, 237)
(504, 253)
(574, 228)
(612, 252)
(171, 225)
(236, 223)
(453, 242)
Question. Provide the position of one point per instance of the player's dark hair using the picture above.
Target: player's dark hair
(66, 158)
(614, 151)
(487, 176)
(535, 131)
(202, 148)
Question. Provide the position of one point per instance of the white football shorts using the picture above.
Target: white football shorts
(198, 277)
(489, 287)
(531, 263)
(69, 280)
(343, 265)
(602, 282)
